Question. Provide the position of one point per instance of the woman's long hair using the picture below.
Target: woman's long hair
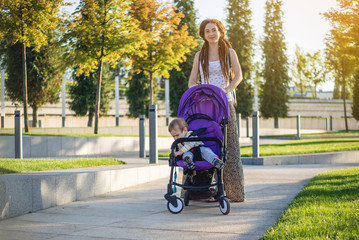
(223, 45)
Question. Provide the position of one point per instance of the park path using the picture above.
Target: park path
(140, 212)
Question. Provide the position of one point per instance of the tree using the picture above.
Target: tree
(300, 71)
(27, 22)
(342, 44)
(165, 44)
(274, 96)
(338, 47)
(241, 36)
(355, 106)
(83, 94)
(101, 31)
(138, 95)
(179, 78)
(317, 72)
(43, 74)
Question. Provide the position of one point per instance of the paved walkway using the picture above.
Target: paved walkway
(140, 212)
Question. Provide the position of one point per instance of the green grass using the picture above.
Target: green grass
(304, 147)
(339, 133)
(300, 147)
(327, 208)
(32, 165)
(326, 134)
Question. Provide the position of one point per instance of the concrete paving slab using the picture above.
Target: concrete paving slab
(140, 212)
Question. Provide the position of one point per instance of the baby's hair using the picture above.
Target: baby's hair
(180, 122)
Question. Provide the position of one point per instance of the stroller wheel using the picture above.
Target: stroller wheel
(186, 198)
(174, 209)
(224, 205)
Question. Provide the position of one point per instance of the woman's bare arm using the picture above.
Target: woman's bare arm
(194, 74)
(237, 78)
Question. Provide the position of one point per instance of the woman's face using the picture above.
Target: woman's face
(211, 33)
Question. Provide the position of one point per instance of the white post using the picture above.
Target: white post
(255, 98)
(2, 98)
(63, 91)
(117, 97)
(167, 102)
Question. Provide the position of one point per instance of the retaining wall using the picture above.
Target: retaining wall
(64, 146)
(30, 192)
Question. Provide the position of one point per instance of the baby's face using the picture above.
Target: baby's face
(177, 133)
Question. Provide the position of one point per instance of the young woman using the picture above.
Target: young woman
(217, 63)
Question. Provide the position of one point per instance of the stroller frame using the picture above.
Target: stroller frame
(174, 203)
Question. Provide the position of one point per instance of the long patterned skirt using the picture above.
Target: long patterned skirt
(233, 176)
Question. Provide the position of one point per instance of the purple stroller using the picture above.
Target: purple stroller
(205, 109)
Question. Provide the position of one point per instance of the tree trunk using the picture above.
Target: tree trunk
(276, 124)
(24, 77)
(34, 116)
(98, 96)
(345, 105)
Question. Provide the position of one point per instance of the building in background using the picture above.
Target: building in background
(293, 92)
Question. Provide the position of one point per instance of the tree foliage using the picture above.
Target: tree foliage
(317, 70)
(101, 31)
(274, 96)
(165, 44)
(355, 106)
(44, 75)
(83, 94)
(179, 78)
(342, 45)
(300, 71)
(138, 95)
(27, 22)
(241, 36)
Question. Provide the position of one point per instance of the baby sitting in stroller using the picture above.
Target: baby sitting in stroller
(179, 129)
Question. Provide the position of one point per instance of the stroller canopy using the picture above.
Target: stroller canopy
(204, 99)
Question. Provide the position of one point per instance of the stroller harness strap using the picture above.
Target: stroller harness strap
(196, 132)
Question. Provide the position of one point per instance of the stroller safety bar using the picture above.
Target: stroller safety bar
(197, 139)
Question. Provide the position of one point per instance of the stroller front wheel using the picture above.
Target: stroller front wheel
(174, 209)
(224, 205)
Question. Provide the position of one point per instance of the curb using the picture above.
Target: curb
(31, 192)
(318, 158)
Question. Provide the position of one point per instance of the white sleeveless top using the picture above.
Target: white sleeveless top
(215, 76)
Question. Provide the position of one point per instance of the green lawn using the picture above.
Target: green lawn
(339, 133)
(327, 208)
(326, 134)
(304, 147)
(33, 165)
(300, 147)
